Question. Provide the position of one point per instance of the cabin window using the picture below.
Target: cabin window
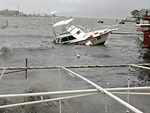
(64, 39)
(67, 38)
(96, 33)
(71, 38)
(78, 32)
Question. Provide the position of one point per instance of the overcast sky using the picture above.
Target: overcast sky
(84, 8)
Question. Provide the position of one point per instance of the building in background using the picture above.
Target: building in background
(9, 13)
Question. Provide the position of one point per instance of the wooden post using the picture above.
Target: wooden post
(128, 96)
(6, 23)
(26, 69)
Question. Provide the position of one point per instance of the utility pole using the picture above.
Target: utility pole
(18, 8)
(149, 5)
(34, 10)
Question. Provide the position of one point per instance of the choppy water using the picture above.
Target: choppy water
(33, 39)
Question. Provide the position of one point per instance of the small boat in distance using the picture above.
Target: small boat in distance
(73, 34)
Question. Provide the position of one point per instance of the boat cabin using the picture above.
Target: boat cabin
(64, 38)
(76, 32)
(73, 34)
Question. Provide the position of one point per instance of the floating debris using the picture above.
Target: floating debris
(78, 56)
(100, 21)
(122, 22)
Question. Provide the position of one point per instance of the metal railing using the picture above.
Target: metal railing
(79, 93)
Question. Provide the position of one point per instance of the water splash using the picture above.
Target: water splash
(5, 52)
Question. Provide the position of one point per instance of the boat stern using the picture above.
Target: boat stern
(98, 37)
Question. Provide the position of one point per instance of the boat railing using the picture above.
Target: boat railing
(84, 29)
(79, 93)
(104, 27)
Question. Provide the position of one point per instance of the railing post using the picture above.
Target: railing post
(26, 76)
(59, 89)
(128, 96)
(2, 73)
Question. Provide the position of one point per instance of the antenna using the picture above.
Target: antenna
(18, 8)
(53, 19)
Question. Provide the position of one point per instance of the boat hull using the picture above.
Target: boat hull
(98, 40)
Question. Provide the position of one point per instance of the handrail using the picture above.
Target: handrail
(86, 92)
(106, 92)
(72, 66)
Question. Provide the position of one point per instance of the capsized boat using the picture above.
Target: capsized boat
(73, 34)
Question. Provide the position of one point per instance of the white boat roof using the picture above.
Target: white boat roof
(63, 22)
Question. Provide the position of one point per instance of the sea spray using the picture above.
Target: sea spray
(7, 101)
(40, 107)
(5, 52)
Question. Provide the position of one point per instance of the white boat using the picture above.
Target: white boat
(73, 34)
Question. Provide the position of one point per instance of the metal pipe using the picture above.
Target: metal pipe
(2, 73)
(50, 93)
(71, 92)
(78, 66)
(106, 92)
(140, 66)
(59, 88)
(126, 89)
(14, 71)
(42, 101)
(26, 76)
(130, 93)
(128, 96)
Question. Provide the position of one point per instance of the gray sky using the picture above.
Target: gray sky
(84, 8)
